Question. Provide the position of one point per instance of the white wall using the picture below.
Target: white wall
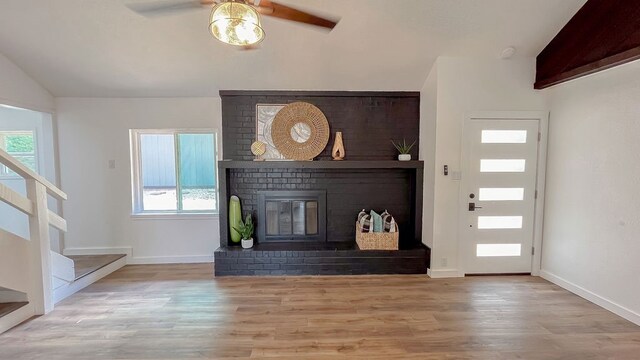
(93, 131)
(467, 85)
(428, 118)
(591, 244)
(18, 89)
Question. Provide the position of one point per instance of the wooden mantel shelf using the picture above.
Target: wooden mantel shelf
(322, 164)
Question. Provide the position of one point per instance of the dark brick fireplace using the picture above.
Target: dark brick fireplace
(370, 177)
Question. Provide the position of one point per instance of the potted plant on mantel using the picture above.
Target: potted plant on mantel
(404, 149)
(245, 229)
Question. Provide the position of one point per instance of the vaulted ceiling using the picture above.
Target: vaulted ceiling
(101, 48)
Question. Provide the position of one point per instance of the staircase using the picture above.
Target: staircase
(76, 272)
(32, 277)
(11, 301)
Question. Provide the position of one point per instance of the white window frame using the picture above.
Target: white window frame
(4, 171)
(136, 171)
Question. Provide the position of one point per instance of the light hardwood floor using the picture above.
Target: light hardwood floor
(182, 312)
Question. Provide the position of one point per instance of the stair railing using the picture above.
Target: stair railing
(40, 217)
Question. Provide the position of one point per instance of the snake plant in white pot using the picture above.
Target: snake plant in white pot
(245, 229)
(404, 149)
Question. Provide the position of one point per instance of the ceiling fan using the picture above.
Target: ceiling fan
(235, 22)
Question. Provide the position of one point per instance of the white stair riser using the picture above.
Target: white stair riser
(62, 267)
(65, 291)
(7, 296)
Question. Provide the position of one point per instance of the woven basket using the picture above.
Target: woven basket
(377, 241)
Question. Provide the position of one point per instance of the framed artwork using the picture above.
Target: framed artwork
(265, 113)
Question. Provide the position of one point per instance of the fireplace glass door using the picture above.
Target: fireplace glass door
(286, 217)
(291, 215)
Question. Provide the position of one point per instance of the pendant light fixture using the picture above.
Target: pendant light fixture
(235, 23)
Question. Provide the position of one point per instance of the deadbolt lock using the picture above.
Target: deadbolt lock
(473, 207)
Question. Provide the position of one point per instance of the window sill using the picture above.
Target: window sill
(174, 216)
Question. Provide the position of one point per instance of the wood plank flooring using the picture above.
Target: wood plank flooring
(182, 312)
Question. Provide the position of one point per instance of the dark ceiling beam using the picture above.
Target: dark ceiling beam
(601, 35)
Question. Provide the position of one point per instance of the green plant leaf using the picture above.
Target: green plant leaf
(402, 147)
(246, 228)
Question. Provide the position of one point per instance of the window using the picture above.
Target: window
(22, 146)
(174, 171)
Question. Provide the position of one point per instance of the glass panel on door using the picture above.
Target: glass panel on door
(499, 222)
(502, 165)
(504, 136)
(501, 194)
(485, 250)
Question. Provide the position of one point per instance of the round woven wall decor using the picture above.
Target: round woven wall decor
(300, 131)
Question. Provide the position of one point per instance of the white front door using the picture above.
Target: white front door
(500, 159)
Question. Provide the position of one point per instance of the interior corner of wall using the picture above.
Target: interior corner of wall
(30, 93)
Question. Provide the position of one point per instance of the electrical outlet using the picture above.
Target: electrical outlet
(112, 164)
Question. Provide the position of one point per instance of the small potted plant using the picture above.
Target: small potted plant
(245, 229)
(404, 149)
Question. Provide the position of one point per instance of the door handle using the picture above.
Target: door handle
(473, 207)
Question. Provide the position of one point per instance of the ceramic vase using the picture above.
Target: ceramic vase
(404, 157)
(235, 218)
(338, 147)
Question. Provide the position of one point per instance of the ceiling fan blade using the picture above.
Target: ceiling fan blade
(270, 8)
(167, 7)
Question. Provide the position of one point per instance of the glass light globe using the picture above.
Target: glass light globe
(236, 23)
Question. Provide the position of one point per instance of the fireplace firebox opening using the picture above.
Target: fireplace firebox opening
(289, 216)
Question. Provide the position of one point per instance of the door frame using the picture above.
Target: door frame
(538, 226)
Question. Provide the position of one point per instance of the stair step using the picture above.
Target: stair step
(89, 269)
(11, 296)
(7, 308)
(87, 264)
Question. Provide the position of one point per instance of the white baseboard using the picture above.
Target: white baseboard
(64, 292)
(443, 273)
(97, 251)
(186, 259)
(592, 297)
(16, 317)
